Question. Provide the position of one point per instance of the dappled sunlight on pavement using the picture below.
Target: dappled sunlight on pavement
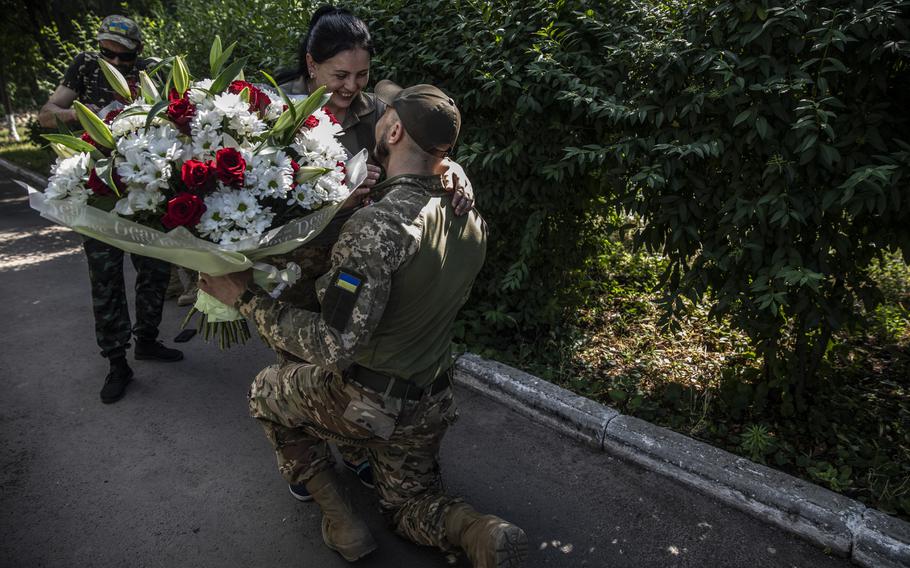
(22, 249)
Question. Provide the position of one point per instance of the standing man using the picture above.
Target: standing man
(119, 43)
(381, 346)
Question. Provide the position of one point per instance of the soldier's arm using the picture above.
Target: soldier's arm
(59, 106)
(353, 295)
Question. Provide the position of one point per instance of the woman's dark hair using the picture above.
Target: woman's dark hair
(332, 30)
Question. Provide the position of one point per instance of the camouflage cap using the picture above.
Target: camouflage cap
(122, 30)
(429, 115)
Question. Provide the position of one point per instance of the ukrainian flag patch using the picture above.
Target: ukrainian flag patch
(348, 282)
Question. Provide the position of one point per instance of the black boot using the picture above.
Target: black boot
(116, 380)
(151, 349)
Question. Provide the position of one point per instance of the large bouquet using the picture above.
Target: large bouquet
(210, 174)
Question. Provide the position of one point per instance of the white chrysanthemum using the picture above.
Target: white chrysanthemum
(275, 182)
(307, 195)
(123, 125)
(131, 165)
(259, 224)
(206, 142)
(230, 105)
(131, 142)
(241, 206)
(163, 142)
(212, 223)
(247, 125)
(66, 179)
(139, 199)
(205, 119)
(197, 94)
(269, 175)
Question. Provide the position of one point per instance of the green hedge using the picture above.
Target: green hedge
(758, 143)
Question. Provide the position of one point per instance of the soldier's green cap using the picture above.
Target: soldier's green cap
(429, 115)
(122, 30)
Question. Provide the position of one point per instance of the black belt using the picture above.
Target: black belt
(398, 388)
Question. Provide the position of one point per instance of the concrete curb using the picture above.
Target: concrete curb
(827, 519)
(29, 175)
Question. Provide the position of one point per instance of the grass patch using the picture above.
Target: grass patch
(703, 380)
(26, 153)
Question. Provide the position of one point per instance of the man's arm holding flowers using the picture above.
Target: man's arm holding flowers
(353, 295)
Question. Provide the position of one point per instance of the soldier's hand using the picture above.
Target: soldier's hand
(456, 181)
(228, 288)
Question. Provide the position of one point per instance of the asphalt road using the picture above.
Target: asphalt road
(177, 475)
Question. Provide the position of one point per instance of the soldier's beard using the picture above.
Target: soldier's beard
(381, 152)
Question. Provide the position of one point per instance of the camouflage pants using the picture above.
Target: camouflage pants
(302, 407)
(112, 317)
(314, 260)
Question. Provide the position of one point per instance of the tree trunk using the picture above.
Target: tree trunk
(7, 104)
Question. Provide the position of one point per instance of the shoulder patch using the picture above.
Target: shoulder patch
(348, 282)
(340, 297)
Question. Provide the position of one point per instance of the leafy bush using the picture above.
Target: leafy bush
(759, 142)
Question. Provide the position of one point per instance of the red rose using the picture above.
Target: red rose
(97, 186)
(258, 100)
(311, 122)
(181, 112)
(197, 176)
(332, 118)
(86, 138)
(173, 95)
(183, 210)
(230, 166)
(109, 118)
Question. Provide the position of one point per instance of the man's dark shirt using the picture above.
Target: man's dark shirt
(84, 76)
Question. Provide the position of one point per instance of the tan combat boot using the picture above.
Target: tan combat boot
(489, 541)
(342, 530)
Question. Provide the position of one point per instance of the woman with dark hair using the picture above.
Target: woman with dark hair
(336, 53)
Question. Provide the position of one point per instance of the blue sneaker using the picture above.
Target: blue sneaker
(363, 471)
(300, 492)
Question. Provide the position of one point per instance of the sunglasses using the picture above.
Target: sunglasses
(124, 56)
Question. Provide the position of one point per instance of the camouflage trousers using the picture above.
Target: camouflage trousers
(112, 316)
(302, 407)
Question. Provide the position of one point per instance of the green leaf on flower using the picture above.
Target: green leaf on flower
(71, 142)
(215, 55)
(160, 65)
(227, 76)
(115, 79)
(149, 90)
(180, 75)
(155, 111)
(104, 169)
(95, 127)
(285, 130)
(62, 151)
(284, 97)
(306, 173)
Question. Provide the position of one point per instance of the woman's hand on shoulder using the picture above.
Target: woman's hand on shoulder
(456, 180)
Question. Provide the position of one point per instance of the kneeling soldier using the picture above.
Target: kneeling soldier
(382, 378)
